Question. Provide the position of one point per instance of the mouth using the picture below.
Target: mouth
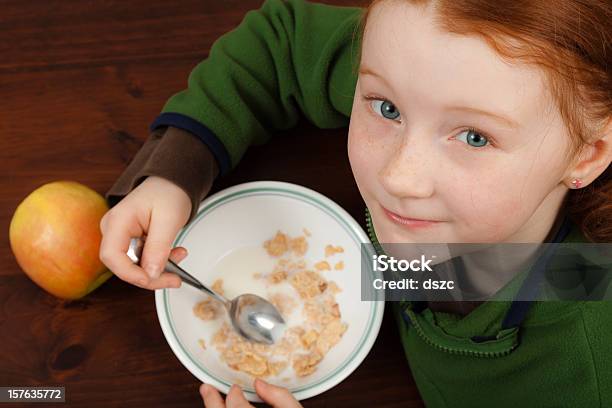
(410, 223)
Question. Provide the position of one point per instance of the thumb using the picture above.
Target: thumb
(158, 245)
(277, 397)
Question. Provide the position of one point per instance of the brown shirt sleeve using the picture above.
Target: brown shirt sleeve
(173, 154)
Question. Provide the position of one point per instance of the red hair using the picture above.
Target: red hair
(571, 41)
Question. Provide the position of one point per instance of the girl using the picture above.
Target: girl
(470, 121)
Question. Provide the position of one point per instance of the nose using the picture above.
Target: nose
(409, 169)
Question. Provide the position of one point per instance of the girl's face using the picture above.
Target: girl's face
(442, 129)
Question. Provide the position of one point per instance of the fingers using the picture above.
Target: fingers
(166, 279)
(236, 399)
(158, 208)
(156, 251)
(211, 397)
(277, 397)
(117, 230)
(178, 254)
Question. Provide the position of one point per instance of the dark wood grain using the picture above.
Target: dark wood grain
(79, 83)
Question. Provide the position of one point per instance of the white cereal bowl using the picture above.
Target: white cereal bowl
(246, 215)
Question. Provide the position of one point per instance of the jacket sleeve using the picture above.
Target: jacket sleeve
(286, 59)
(173, 154)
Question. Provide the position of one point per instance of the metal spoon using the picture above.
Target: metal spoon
(253, 317)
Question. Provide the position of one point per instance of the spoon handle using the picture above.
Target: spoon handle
(135, 252)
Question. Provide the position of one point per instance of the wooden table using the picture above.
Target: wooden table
(79, 83)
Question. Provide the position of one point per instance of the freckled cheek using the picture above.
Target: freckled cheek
(489, 203)
(364, 150)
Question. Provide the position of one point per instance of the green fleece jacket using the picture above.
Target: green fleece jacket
(293, 58)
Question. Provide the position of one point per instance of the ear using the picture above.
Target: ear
(594, 158)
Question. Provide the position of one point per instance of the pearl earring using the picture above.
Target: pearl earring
(577, 183)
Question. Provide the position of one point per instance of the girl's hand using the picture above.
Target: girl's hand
(158, 208)
(277, 397)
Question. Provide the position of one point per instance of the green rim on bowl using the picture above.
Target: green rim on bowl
(285, 192)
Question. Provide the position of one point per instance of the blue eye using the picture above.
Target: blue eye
(473, 138)
(385, 109)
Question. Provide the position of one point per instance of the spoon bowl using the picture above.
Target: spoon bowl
(252, 316)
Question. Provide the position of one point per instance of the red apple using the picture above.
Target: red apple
(55, 236)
